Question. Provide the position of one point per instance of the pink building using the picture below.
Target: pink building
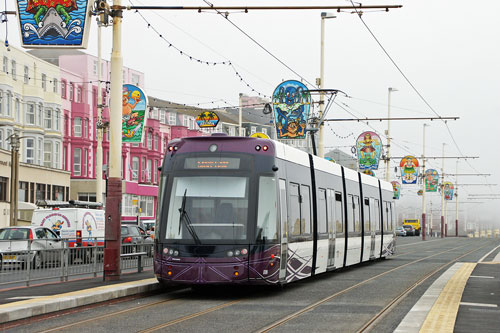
(79, 86)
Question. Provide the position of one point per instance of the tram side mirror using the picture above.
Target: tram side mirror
(159, 168)
(275, 168)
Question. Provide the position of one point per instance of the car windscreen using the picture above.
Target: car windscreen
(14, 234)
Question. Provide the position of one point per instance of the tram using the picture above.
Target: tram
(240, 210)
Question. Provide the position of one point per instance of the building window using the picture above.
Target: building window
(86, 128)
(264, 130)
(30, 150)
(143, 165)
(63, 89)
(39, 115)
(1, 102)
(26, 75)
(5, 64)
(94, 69)
(57, 152)
(23, 193)
(14, 72)
(77, 126)
(58, 193)
(30, 114)
(47, 154)
(135, 79)
(84, 161)
(148, 171)
(162, 116)
(156, 142)
(171, 118)
(79, 94)
(150, 140)
(87, 197)
(40, 191)
(55, 85)
(71, 91)
(253, 129)
(48, 119)
(57, 120)
(44, 82)
(135, 168)
(18, 110)
(3, 188)
(39, 151)
(77, 162)
(1, 139)
(7, 103)
(155, 172)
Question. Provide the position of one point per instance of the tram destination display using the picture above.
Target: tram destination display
(212, 163)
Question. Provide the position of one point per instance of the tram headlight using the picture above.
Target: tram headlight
(176, 253)
(230, 253)
(265, 148)
(237, 252)
(171, 251)
(244, 251)
(257, 148)
(212, 148)
(165, 250)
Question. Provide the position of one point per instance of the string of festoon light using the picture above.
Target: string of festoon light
(200, 61)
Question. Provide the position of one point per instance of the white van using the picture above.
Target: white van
(71, 220)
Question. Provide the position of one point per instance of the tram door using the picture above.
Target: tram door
(331, 227)
(373, 227)
(284, 230)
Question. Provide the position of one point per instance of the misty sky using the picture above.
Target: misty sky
(449, 51)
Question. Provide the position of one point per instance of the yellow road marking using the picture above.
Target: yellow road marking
(76, 293)
(443, 313)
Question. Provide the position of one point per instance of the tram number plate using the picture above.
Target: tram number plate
(9, 257)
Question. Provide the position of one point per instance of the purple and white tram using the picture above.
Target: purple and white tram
(240, 210)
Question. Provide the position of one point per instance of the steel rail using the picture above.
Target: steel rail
(326, 299)
(191, 316)
(375, 319)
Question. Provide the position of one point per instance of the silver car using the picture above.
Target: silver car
(400, 231)
(34, 245)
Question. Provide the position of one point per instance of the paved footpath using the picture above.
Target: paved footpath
(455, 300)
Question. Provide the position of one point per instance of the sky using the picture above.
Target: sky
(448, 51)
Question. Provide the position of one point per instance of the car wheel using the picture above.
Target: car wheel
(37, 261)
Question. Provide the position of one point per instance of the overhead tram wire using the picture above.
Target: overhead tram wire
(408, 81)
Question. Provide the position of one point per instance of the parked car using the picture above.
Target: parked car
(400, 231)
(410, 230)
(133, 237)
(29, 245)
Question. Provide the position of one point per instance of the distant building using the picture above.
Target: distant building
(343, 159)
(30, 105)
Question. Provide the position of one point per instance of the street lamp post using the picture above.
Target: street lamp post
(442, 197)
(388, 134)
(321, 144)
(424, 229)
(114, 193)
(15, 141)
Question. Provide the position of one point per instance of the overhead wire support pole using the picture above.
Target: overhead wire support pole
(424, 226)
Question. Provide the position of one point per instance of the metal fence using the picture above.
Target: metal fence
(23, 262)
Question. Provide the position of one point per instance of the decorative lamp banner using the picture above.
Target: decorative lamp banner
(431, 178)
(54, 23)
(396, 188)
(369, 148)
(207, 119)
(448, 189)
(420, 193)
(291, 104)
(330, 159)
(409, 169)
(134, 113)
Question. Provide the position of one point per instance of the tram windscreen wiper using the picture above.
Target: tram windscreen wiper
(184, 217)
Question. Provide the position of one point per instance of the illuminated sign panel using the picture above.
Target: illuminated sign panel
(229, 163)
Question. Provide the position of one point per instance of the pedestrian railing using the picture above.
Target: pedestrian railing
(23, 262)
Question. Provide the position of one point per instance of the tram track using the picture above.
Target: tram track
(395, 301)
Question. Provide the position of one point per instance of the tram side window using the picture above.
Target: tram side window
(376, 214)
(367, 214)
(357, 214)
(283, 207)
(305, 208)
(294, 209)
(322, 212)
(388, 217)
(267, 227)
(339, 213)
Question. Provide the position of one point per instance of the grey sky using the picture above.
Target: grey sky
(448, 49)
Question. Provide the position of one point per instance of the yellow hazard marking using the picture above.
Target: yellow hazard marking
(78, 293)
(443, 313)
